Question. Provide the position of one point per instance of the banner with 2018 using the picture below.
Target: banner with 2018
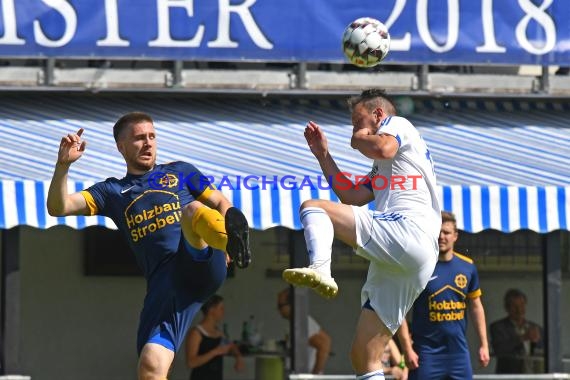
(422, 31)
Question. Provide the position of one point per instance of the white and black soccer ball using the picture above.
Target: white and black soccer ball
(366, 42)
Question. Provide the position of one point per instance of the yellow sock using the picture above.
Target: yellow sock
(210, 225)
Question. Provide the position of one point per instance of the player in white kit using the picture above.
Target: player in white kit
(399, 238)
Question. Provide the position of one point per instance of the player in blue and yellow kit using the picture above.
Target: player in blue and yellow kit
(439, 350)
(179, 227)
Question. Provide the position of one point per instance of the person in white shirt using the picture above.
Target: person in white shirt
(399, 237)
(319, 343)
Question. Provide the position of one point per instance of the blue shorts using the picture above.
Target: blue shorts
(175, 293)
(443, 367)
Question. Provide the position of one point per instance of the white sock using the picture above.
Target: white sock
(319, 235)
(376, 375)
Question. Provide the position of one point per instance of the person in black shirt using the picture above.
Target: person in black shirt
(206, 344)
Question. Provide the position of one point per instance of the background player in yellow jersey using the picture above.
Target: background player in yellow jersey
(439, 349)
(176, 223)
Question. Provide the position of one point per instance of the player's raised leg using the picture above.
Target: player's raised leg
(322, 220)
(203, 226)
(154, 362)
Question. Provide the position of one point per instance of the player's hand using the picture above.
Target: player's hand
(316, 140)
(484, 356)
(359, 135)
(71, 148)
(412, 360)
(362, 130)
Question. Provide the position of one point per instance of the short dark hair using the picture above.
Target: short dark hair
(513, 294)
(373, 98)
(213, 301)
(447, 216)
(129, 119)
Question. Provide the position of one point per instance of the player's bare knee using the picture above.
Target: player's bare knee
(189, 210)
(358, 359)
(154, 363)
(150, 368)
(313, 203)
(363, 360)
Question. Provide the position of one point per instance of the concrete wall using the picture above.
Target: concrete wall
(74, 326)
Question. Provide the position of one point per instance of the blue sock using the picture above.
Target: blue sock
(376, 375)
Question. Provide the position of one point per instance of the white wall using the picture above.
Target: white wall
(74, 326)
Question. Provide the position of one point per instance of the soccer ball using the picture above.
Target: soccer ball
(366, 42)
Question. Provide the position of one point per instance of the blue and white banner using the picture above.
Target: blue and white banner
(422, 31)
(504, 208)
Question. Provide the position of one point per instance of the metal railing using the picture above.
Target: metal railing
(292, 77)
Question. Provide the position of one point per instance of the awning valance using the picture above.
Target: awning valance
(541, 209)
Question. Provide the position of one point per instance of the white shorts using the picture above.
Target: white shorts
(402, 259)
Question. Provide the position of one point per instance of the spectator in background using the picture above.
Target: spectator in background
(515, 340)
(393, 362)
(319, 340)
(206, 344)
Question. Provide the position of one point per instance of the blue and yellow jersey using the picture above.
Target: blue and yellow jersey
(147, 208)
(439, 318)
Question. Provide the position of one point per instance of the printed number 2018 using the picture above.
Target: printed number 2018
(536, 13)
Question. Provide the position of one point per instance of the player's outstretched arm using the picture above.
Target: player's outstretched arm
(342, 183)
(59, 201)
(478, 317)
(405, 339)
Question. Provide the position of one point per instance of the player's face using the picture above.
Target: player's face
(137, 144)
(362, 118)
(447, 237)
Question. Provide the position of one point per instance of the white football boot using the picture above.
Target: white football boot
(324, 285)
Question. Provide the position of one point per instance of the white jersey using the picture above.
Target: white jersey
(406, 184)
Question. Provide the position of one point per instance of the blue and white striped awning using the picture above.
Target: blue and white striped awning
(504, 208)
(500, 165)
